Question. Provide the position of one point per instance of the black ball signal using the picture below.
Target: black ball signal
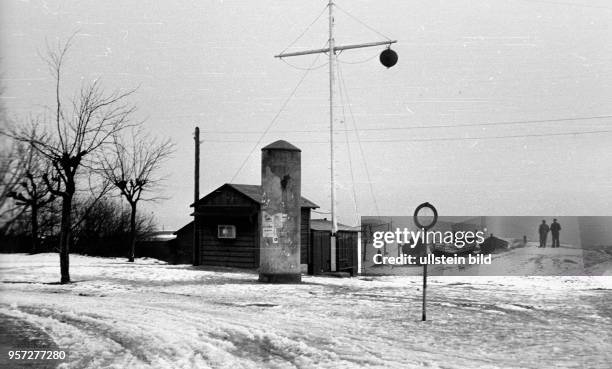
(388, 58)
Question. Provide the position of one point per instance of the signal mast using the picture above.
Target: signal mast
(388, 58)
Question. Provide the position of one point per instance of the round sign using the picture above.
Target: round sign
(425, 216)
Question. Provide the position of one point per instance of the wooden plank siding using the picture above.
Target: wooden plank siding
(305, 236)
(227, 205)
(182, 245)
(224, 206)
(240, 252)
(346, 252)
(319, 252)
(243, 251)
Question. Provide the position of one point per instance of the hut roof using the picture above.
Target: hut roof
(254, 192)
(325, 225)
(281, 145)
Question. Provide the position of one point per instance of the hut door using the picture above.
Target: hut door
(345, 252)
(321, 252)
(326, 251)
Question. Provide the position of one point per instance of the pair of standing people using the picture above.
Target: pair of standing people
(554, 229)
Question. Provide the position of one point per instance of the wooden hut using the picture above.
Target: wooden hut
(182, 245)
(227, 221)
(320, 254)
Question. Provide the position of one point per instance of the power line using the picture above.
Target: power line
(301, 68)
(430, 139)
(273, 119)
(569, 4)
(359, 61)
(363, 157)
(348, 145)
(485, 124)
(518, 122)
(361, 22)
(493, 137)
(305, 30)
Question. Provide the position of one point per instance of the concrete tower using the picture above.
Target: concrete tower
(279, 256)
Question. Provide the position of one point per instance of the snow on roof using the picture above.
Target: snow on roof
(159, 236)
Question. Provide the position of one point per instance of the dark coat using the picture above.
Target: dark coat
(555, 227)
(544, 229)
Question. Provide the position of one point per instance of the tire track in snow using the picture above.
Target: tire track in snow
(248, 338)
(84, 349)
(93, 325)
(258, 340)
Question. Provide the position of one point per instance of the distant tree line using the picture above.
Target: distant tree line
(63, 178)
(100, 230)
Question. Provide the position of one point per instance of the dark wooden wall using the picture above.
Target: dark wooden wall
(305, 236)
(240, 252)
(319, 253)
(161, 250)
(346, 252)
(228, 207)
(183, 246)
(233, 208)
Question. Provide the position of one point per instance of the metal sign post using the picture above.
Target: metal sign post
(424, 314)
(425, 210)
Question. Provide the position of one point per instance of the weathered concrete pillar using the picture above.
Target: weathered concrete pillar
(279, 256)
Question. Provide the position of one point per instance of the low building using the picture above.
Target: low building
(157, 245)
(228, 224)
(182, 245)
(321, 255)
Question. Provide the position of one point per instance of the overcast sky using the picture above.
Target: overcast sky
(524, 62)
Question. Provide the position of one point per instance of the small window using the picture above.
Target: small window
(226, 231)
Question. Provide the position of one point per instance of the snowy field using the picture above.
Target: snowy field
(531, 260)
(150, 314)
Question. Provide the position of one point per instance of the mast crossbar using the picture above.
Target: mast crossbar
(336, 48)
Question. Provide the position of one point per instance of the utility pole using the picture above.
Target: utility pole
(196, 197)
(331, 51)
(332, 54)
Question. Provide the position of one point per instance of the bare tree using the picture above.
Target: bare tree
(32, 192)
(133, 169)
(91, 120)
(11, 173)
(105, 230)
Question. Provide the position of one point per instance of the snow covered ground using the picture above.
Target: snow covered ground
(531, 260)
(150, 314)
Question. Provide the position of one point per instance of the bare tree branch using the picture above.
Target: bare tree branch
(73, 137)
(33, 192)
(11, 173)
(134, 169)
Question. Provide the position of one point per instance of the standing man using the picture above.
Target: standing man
(543, 233)
(555, 228)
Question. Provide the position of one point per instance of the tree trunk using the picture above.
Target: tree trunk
(34, 221)
(132, 233)
(65, 233)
